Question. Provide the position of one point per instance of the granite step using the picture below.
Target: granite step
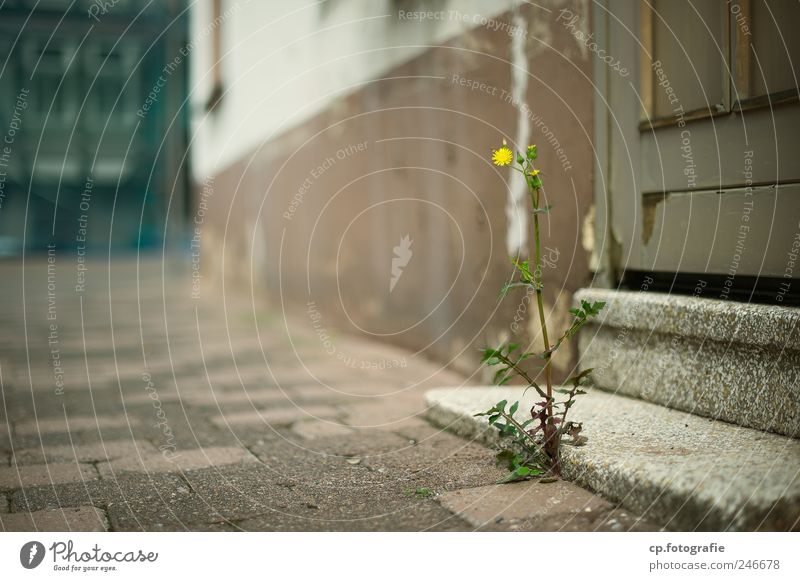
(726, 360)
(677, 469)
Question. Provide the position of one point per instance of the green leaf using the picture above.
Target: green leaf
(535, 386)
(490, 412)
(508, 286)
(523, 266)
(421, 492)
(597, 307)
(513, 409)
(488, 354)
(520, 473)
(505, 458)
(499, 378)
(576, 379)
(500, 375)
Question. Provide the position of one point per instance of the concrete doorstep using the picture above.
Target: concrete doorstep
(676, 469)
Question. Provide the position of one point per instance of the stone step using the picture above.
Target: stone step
(731, 361)
(677, 469)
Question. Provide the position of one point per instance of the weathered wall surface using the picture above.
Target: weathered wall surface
(313, 218)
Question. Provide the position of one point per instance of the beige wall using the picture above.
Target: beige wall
(408, 156)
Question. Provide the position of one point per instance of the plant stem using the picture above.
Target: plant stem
(540, 302)
(521, 372)
(551, 443)
(522, 431)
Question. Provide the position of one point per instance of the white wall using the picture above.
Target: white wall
(283, 62)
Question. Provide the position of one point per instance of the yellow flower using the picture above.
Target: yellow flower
(502, 156)
(534, 172)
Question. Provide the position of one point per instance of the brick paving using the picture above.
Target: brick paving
(132, 406)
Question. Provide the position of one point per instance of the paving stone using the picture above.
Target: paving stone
(371, 460)
(318, 393)
(273, 416)
(48, 408)
(265, 498)
(388, 414)
(443, 462)
(85, 438)
(522, 501)
(75, 424)
(101, 452)
(332, 465)
(179, 462)
(44, 497)
(42, 474)
(419, 431)
(82, 518)
(135, 499)
(329, 376)
(250, 397)
(265, 397)
(361, 443)
(223, 526)
(245, 491)
(620, 520)
(157, 502)
(205, 436)
(419, 516)
(215, 498)
(362, 390)
(607, 521)
(311, 429)
(305, 472)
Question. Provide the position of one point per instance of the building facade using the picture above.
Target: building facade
(93, 123)
(341, 154)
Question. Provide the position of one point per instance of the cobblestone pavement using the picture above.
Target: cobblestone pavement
(130, 405)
